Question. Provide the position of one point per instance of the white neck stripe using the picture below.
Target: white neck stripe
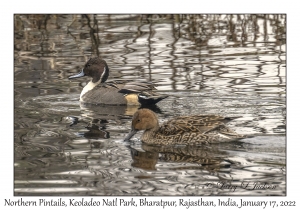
(102, 74)
(88, 87)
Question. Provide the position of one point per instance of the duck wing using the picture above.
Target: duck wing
(113, 93)
(200, 124)
(133, 87)
(144, 90)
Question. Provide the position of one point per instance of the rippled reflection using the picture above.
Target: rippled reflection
(231, 65)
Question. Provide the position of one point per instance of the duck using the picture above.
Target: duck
(118, 92)
(182, 130)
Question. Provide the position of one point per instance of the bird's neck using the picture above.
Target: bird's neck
(150, 133)
(90, 86)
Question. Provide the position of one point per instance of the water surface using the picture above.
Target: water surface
(231, 65)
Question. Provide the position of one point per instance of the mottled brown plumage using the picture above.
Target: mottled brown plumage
(188, 130)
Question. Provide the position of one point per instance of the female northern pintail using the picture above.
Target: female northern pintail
(116, 92)
(187, 130)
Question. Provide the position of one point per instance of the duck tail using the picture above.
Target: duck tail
(230, 134)
(227, 119)
(144, 100)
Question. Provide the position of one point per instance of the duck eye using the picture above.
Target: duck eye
(138, 120)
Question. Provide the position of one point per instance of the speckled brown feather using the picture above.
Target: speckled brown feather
(195, 123)
(188, 130)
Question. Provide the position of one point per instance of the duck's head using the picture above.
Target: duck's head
(143, 119)
(95, 68)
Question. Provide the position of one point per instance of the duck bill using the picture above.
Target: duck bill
(130, 135)
(81, 74)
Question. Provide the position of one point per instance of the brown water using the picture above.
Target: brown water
(231, 65)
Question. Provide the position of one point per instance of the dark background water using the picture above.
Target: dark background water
(219, 64)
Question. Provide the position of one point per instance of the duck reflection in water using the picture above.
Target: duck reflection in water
(199, 157)
(101, 115)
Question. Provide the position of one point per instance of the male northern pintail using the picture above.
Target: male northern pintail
(186, 130)
(116, 92)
